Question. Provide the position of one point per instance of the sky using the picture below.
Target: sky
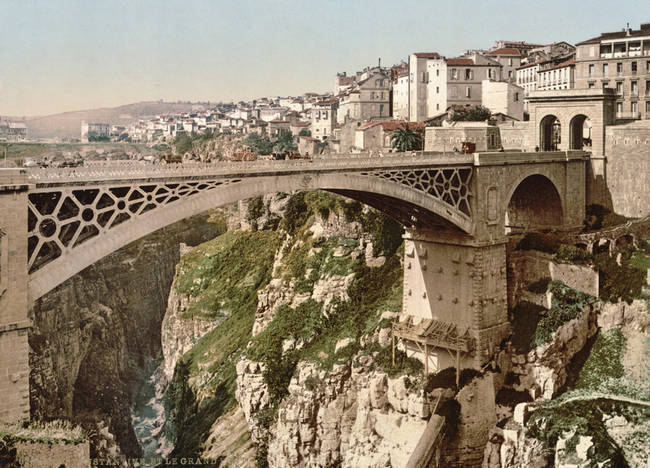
(62, 55)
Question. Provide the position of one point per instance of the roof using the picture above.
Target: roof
(278, 121)
(301, 124)
(460, 61)
(346, 80)
(531, 64)
(391, 125)
(326, 102)
(566, 63)
(429, 55)
(617, 35)
(523, 43)
(308, 138)
(505, 51)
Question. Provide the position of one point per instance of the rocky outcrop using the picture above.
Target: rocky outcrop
(543, 370)
(94, 334)
(252, 395)
(350, 416)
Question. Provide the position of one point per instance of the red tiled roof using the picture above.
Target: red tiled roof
(278, 121)
(460, 61)
(505, 51)
(431, 55)
(326, 102)
(300, 124)
(308, 138)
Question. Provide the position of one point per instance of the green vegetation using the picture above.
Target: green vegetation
(305, 132)
(223, 275)
(623, 282)
(599, 217)
(42, 432)
(604, 361)
(533, 325)
(261, 145)
(255, 210)
(471, 114)
(284, 142)
(98, 138)
(405, 139)
(573, 255)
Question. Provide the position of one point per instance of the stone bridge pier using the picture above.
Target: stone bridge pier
(14, 297)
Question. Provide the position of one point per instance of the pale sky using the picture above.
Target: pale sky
(61, 55)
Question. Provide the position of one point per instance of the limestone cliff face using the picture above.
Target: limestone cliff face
(351, 416)
(94, 334)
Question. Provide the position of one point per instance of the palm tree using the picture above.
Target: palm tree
(405, 139)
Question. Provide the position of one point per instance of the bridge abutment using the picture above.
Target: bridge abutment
(14, 297)
(458, 288)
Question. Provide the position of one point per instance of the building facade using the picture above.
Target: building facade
(323, 118)
(504, 98)
(618, 60)
(368, 99)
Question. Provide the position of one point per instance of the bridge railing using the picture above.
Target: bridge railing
(137, 170)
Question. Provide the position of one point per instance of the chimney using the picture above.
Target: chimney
(627, 29)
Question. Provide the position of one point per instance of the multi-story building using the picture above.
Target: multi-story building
(436, 83)
(323, 118)
(619, 60)
(91, 131)
(502, 97)
(369, 98)
(522, 46)
(510, 60)
(556, 76)
(400, 94)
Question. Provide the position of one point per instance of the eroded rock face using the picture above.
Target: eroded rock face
(349, 416)
(253, 396)
(93, 335)
(543, 370)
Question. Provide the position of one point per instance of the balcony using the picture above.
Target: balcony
(606, 56)
(628, 115)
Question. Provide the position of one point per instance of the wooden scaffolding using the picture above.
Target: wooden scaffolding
(433, 333)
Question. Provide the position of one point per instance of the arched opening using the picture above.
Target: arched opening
(624, 242)
(550, 131)
(602, 246)
(580, 132)
(535, 204)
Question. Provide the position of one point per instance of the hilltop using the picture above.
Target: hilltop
(68, 124)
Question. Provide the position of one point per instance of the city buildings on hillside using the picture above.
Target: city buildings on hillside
(12, 131)
(619, 60)
(510, 60)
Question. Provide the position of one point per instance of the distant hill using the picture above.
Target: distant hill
(68, 124)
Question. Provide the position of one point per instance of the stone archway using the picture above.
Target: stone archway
(580, 132)
(550, 131)
(534, 204)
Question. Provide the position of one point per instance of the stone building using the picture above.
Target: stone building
(94, 130)
(502, 97)
(510, 59)
(323, 118)
(367, 99)
(618, 60)
(451, 136)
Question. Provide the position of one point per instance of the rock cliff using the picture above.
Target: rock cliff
(95, 333)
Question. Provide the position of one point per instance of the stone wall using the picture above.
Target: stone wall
(628, 168)
(517, 135)
(525, 267)
(52, 455)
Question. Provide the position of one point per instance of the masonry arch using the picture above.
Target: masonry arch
(412, 208)
(534, 203)
(550, 131)
(580, 132)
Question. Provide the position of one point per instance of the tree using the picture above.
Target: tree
(305, 132)
(182, 143)
(471, 114)
(285, 142)
(405, 139)
(261, 145)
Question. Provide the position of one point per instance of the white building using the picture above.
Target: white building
(503, 97)
(323, 118)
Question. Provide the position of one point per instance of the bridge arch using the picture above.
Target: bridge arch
(533, 203)
(413, 208)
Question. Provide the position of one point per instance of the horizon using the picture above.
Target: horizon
(63, 56)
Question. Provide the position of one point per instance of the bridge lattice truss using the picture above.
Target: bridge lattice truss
(62, 218)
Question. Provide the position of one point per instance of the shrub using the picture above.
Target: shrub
(296, 213)
(617, 282)
(572, 254)
(255, 211)
(450, 410)
(604, 361)
(548, 243)
(598, 217)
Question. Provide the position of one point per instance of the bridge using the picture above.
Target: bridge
(457, 210)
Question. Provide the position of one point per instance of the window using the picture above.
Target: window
(324, 115)
(453, 91)
(605, 69)
(437, 89)
(634, 68)
(454, 74)
(619, 107)
(591, 70)
(634, 88)
(647, 88)
(619, 87)
(438, 71)
(509, 62)
(647, 66)
(591, 85)
(468, 92)
(318, 114)
(647, 108)
(468, 74)
(516, 97)
(633, 108)
(438, 106)
(381, 110)
(619, 68)
(509, 73)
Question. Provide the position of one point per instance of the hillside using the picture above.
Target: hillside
(67, 124)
